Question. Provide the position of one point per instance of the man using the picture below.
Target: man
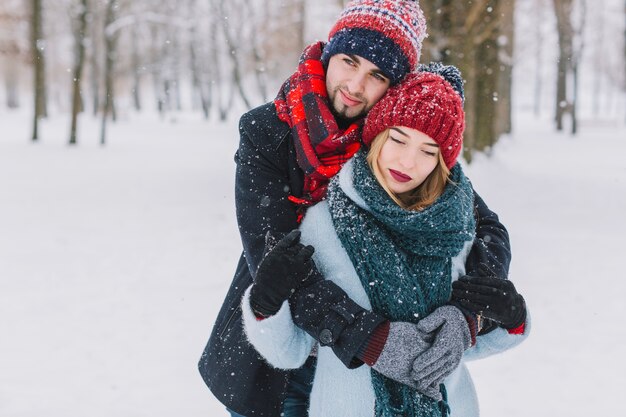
(288, 151)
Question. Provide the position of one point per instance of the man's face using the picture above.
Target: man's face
(354, 85)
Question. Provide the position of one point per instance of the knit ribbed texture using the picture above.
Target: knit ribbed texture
(371, 350)
(426, 102)
(403, 259)
(389, 33)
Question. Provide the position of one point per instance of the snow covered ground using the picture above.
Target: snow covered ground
(114, 262)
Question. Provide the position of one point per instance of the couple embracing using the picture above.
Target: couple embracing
(371, 269)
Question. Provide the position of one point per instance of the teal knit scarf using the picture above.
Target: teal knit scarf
(403, 258)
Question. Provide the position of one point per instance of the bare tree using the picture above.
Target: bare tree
(94, 55)
(215, 70)
(505, 47)
(37, 48)
(257, 53)
(538, 6)
(80, 29)
(570, 52)
(563, 10)
(199, 57)
(110, 43)
(136, 68)
(10, 52)
(472, 35)
(598, 43)
(230, 19)
(300, 22)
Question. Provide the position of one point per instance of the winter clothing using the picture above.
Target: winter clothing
(321, 146)
(443, 357)
(403, 344)
(406, 271)
(334, 319)
(338, 390)
(388, 33)
(426, 102)
(496, 298)
(267, 174)
(449, 72)
(283, 269)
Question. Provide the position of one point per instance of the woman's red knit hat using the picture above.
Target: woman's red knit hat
(426, 102)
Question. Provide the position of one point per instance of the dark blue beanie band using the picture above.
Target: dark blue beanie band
(373, 46)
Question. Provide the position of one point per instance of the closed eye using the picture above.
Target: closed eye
(396, 140)
(429, 153)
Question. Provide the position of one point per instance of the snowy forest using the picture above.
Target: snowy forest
(118, 229)
(100, 58)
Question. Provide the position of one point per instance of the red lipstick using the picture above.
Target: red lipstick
(399, 176)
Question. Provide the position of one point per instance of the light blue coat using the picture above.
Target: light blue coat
(338, 391)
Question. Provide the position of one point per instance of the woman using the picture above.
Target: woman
(394, 233)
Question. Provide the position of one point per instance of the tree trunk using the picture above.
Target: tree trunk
(175, 71)
(110, 42)
(11, 78)
(233, 49)
(79, 61)
(157, 71)
(563, 10)
(598, 43)
(216, 64)
(538, 58)
(37, 48)
(577, 53)
(136, 70)
(95, 66)
(574, 108)
(505, 45)
(301, 23)
(484, 107)
(196, 76)
(260, 64)
(467, 34)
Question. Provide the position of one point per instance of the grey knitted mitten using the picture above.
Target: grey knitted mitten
(404, 343)
(452, 337)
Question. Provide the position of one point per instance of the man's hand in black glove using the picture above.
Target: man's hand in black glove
(495, 298)
(281, 271)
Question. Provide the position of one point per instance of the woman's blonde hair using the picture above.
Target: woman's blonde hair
(420, 197)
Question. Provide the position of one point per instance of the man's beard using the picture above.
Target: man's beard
(342, 119)
(341, 114)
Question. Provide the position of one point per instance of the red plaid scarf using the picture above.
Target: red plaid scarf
(321, 146)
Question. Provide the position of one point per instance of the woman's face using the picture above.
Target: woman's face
(407, 158)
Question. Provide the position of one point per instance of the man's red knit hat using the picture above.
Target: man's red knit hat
(425, 102)
(388, 33)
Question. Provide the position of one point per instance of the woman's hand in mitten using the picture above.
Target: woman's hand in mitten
(452, 337)
(494, 298)
(404, 343)
(285, 266)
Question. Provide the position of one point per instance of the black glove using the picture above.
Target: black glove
(323, 310)
(281, 271)
(494, 298)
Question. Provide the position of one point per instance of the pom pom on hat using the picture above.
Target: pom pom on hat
(449, 72)
(388, 33)
(426, 102)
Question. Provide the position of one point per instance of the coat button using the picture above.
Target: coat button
(326, 337)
